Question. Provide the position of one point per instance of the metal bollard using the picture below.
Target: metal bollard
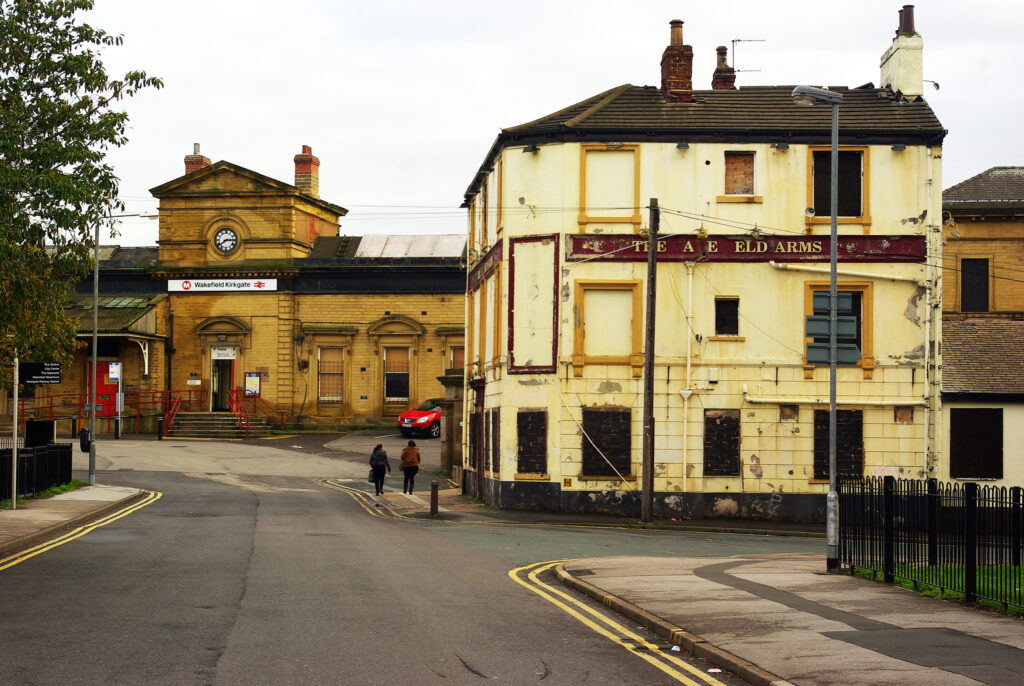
(160, 428)
(433, 498)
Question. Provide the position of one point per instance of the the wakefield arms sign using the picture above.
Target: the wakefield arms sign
(632, 248)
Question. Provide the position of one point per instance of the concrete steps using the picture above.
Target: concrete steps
(215, 425)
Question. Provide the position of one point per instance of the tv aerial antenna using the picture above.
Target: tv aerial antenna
(743, 40)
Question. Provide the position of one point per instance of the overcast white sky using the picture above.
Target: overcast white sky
(400, 100)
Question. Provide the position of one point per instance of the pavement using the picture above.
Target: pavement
(770, 619)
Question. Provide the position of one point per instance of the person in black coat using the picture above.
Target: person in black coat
(380, 467)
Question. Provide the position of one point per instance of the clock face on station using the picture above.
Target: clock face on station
(225, 240)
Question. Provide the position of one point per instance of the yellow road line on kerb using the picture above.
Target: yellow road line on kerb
(619, 634)
(150, 498)
(363, 499)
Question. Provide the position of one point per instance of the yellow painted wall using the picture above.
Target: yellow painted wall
(903, 198)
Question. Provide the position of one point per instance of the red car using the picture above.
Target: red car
(425, 418)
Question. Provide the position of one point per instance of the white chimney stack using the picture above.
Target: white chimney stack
(903, 64)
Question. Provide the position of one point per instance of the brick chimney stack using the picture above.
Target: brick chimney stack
(724, 76)
(307, 172)
(677, 67)
(195, 161)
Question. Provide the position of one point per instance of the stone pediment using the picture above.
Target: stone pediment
(222, 177)
(395, 324)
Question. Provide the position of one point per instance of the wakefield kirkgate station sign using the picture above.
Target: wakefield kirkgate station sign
(630, 248)
(209, 285)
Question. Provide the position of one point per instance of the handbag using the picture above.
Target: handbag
(370, 479)
(401, 466)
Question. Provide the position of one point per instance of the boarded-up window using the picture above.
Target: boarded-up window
(534, 305)
(608, 443)
(496, 441)
(727, 316)
(849, 181)
(974, 285)
(721, 442)
(396, 373)
(609, 188)
(532, 442)
(849, 442)
(855, 337)
(331, 372)
(739, 173)
(475, 450)
(458, 358)
(608, 322)
(486, 443)
(976, 443)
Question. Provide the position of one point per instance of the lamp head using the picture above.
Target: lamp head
(809, 95)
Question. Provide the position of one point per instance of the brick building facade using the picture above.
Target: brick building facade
(252, 288)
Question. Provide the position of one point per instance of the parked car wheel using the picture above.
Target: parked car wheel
(435, 430)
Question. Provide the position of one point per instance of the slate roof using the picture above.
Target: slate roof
(995, 187)
(983, 356)
(747, 109)
(751, 114)
(115, 312)
(115, 255)
(331, 247)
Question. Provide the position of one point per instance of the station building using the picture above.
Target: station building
(251, 290)
(558, 221)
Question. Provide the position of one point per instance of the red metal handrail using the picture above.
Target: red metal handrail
(171, 411)
(236, 403)
(261, 406)
(71, 405)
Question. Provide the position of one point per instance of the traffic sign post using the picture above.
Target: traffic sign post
(114, 373)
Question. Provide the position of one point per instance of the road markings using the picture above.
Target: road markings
(67, 537)
(363, 499)
(677, 668)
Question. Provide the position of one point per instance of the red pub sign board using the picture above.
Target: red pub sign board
(632, 248)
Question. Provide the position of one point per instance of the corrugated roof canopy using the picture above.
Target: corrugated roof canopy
(381, 245)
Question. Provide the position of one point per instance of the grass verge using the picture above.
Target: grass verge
(988, 578)
(72, 485)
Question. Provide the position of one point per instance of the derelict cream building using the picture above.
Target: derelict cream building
(558, 219)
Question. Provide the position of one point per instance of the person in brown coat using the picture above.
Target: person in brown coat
(410, 465)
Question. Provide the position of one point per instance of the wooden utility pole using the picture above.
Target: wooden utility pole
(647, 469)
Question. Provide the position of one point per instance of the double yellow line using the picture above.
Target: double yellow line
(148, 499)
(675, 667)
(363, 499)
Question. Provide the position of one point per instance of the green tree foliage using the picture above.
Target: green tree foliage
(59, 116)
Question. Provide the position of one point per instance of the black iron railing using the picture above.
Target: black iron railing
(38, 468)
(951, 536)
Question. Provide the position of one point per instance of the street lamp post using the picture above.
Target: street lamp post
(808, 95)
(95, 337)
